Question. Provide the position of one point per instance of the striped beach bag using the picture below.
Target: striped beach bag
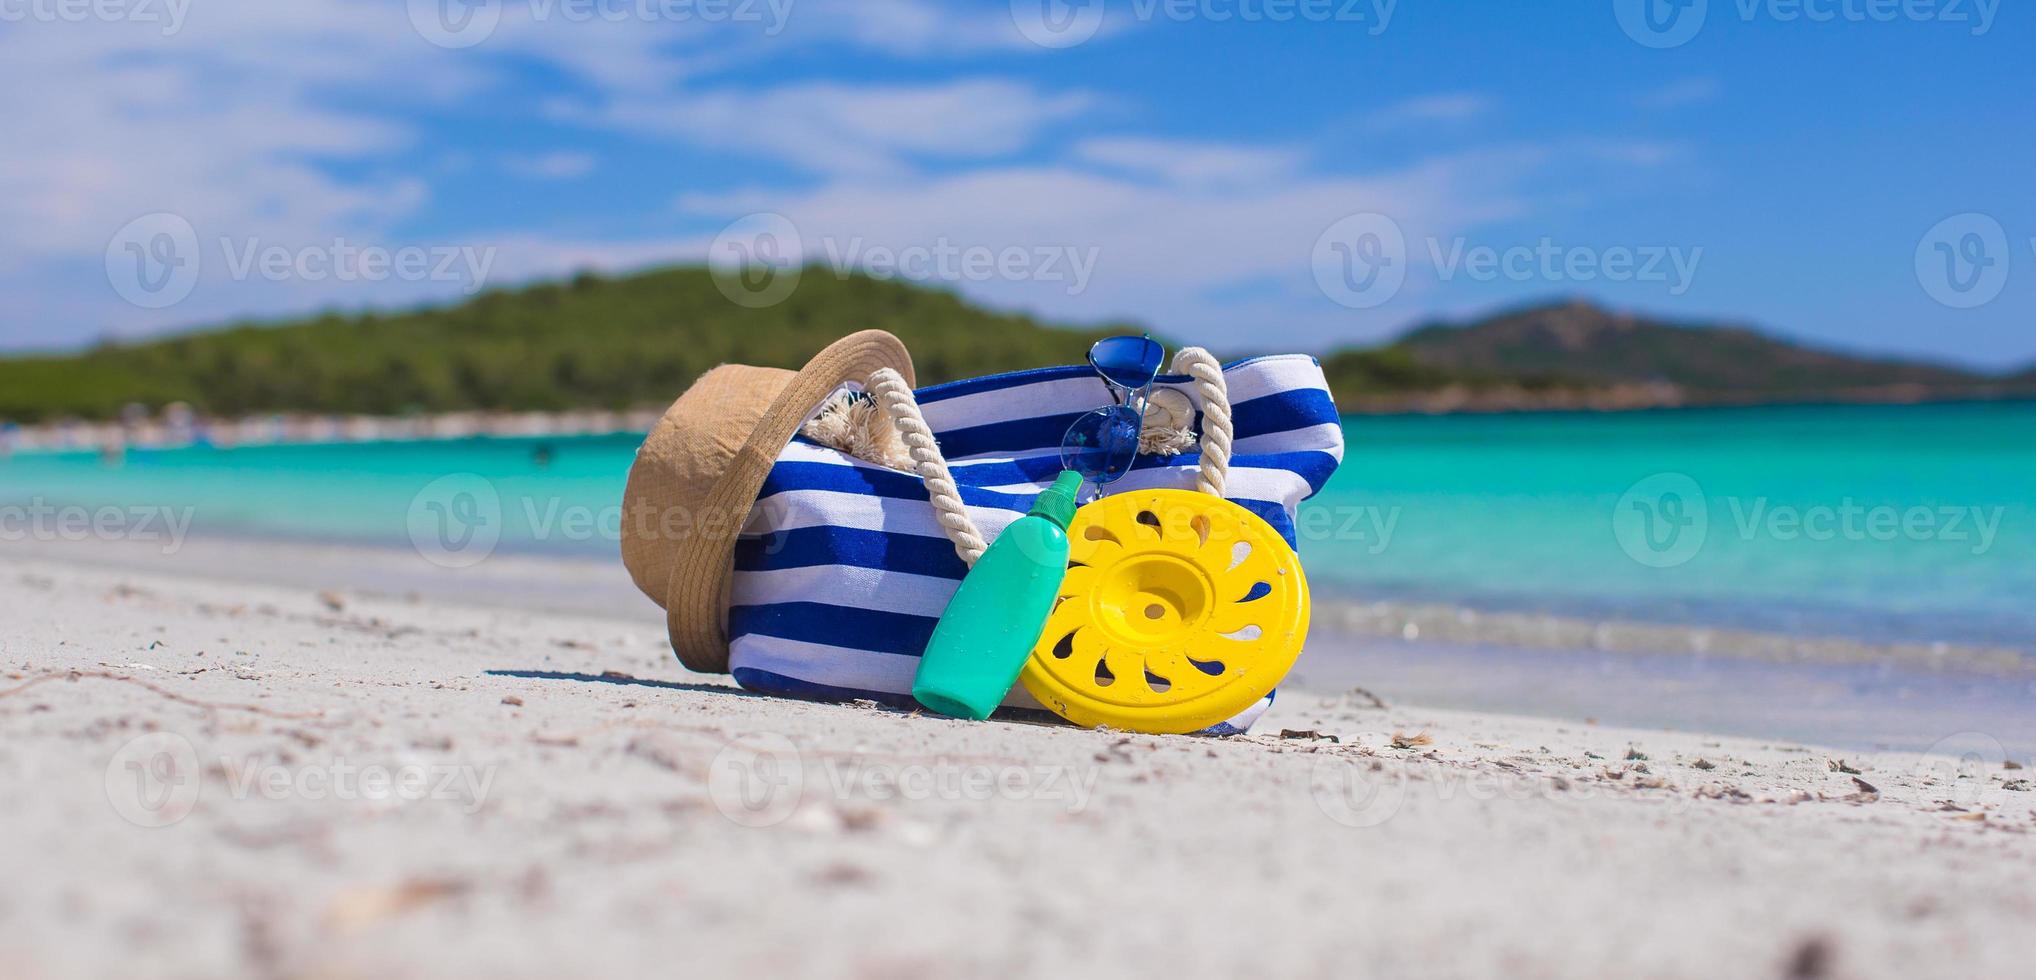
(843, 569)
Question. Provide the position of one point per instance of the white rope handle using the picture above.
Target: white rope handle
(1207, 372)
(895, 396)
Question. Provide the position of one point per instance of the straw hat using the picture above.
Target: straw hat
(698, 473)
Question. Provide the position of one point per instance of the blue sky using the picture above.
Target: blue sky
(1785, 163)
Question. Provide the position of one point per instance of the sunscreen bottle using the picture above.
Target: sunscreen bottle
(990, 626)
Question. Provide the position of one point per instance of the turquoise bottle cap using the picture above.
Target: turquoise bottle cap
(1057, 503)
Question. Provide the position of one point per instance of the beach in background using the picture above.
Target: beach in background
(1855, 575)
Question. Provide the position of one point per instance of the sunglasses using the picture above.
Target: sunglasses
(1102, 444)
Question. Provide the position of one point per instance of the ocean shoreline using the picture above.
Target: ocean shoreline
(182, 429)
(1620, 399)
(307, 429)
(1848, 693)
(602, 587)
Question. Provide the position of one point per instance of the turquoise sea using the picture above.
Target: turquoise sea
(1882, 523)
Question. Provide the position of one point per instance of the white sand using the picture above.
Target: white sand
(564, 822)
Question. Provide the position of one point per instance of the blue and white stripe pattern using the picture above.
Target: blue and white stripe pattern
(842, 569)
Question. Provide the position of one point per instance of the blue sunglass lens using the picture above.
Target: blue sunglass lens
(1128, 362)
(1102, 444)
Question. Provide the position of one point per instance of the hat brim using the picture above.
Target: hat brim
(696, 598)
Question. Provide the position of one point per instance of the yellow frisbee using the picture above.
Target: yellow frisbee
(1178, 611)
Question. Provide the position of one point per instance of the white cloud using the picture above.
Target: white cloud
(278, 123)
(1165, 253)
(1448, 107)
(1187, 162)
(555, 165)
(834, 128)
(230, 119)
(916, 28)
(107, 122)
(1631, 153)
(1677, 94)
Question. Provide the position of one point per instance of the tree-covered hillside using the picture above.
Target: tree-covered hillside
(590, 342)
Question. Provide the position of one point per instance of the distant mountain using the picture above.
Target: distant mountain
(1575, 354)
(638, 340)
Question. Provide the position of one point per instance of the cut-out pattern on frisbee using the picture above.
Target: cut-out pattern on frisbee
(1178, 611)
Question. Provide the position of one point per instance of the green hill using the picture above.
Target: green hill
(590, 342)
(1578, 344)
(634, 341)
